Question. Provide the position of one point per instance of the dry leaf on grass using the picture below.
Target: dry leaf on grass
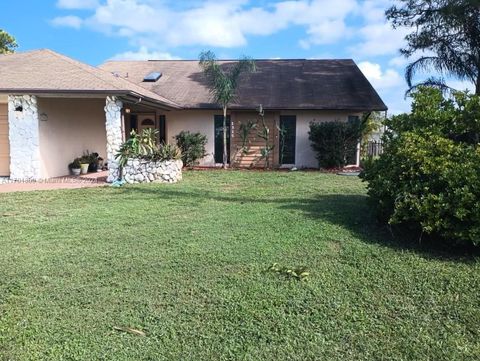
(129, 330)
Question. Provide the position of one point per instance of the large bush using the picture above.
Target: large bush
(192, 146)
(428, 177)
(334, 143)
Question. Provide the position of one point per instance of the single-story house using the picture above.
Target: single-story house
(53, 108)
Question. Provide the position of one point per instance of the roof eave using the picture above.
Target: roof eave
(86, 92)
(349, 108)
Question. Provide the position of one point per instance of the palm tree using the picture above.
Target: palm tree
(223, 82)
(446, 33)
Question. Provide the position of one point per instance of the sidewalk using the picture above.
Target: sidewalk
(67, 182)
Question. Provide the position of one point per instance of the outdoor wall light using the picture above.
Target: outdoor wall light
(43, 117)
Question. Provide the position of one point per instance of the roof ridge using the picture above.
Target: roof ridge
(196, 60)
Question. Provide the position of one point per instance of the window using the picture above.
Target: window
(162, 134)
(133, 122)
(148, 122)
(353, 118)
(152, 77)
(288, 126)
(218, 124)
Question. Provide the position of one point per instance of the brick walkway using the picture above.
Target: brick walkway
(68, 182)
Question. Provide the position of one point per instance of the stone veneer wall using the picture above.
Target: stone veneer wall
(24, 137)
(113, 125)
(144, 171)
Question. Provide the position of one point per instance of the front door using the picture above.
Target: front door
(145, 121)
(219, 138)
(4, 142)
(288, 126)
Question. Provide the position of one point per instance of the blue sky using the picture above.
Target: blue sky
(96, 30)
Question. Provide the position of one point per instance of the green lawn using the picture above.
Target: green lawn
(186, 264)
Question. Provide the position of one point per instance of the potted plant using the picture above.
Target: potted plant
(93, 165)
(75, 167)
(100, 164)
(84, 164)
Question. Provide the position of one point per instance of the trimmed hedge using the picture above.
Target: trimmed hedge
(334, 143)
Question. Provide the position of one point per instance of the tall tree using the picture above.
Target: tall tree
(446, 33)
(7, 43)
(223, 82)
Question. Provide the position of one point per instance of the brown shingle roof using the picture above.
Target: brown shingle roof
(277, 84)
(47, 71)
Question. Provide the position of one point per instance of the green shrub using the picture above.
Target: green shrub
(428, 177)
(334, 143)
(143, 146)
(192, 146)
(168, 152)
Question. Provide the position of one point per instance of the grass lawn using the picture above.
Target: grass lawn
(186, 264)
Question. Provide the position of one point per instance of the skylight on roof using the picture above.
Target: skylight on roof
(152, 77)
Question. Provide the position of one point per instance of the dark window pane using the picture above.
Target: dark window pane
(148, 122)
(161, 130)
(353, 118)
(133, 122)
(288, 130)
(219, 138)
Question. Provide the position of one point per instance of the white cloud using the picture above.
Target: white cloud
(376, 37)
(380, 79)
(77, 4)
(398, 61)
(69, 21)
(379, 39)
(144, 54)
(217, 23)
(389, 84)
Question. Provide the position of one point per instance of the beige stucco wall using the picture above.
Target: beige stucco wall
(304, 154)
(201, 121)
(73, 126)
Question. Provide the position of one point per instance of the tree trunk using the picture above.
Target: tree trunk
(225, 154)
(477, 92)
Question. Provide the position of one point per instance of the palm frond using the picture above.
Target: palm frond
(424, 64)
(438, 83)
(223, 81)
(244, 65)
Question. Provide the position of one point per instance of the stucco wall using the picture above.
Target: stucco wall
(201, 121)
(304, 154)
(72, 127)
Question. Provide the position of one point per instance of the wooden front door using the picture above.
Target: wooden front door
(4, 142)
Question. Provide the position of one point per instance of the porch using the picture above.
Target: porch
(41, 134)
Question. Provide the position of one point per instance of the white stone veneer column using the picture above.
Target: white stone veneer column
(113, 124)
(24, 137)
